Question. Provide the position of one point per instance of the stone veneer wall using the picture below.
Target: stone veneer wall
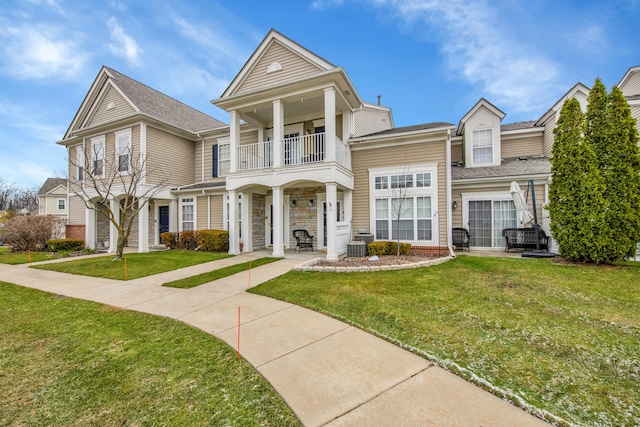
(258, 221)
(303, 216)
(102, 232)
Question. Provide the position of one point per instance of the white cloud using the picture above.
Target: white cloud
(479, 48)
(123, 45)
(325, 4)
(40, 51)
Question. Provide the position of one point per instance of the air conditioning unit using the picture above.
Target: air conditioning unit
(356, 250)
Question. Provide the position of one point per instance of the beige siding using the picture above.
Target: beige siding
(293, 66)
(456, 153)
(170, 156)
(367, 121)
(121, 108)
(635, 112)
(632, 85)
(76, 210)
(339, 126)
(527, 146)
(48, 205)
(548, 137)
(249, 137)
(202, 212)
(403, 155)
(217, 212)
(197, 170)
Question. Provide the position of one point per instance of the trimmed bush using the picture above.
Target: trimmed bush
(213, 240)
(170, 239)
(59, 245)
(383, 247)
(187, 240)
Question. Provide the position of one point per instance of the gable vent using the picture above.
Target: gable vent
(111, 106)
(274, 67)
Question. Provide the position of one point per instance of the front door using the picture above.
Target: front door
(487, 219)
(269, 221)
(163, 215)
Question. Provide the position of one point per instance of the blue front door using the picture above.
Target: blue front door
(163, 214)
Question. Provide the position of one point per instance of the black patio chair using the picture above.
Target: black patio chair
(461, 238)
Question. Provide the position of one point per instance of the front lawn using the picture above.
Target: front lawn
(138, 265)
(13, 258)
(67, 362)
(560, 338)
(210, 276)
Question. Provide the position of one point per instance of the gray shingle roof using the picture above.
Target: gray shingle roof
(413, 128)
(163, 107)
(50, 184)
(202, 186)
(518, 125)
(532, 165)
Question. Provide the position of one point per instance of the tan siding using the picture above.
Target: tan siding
(548, 137)
(367, 121)
(217, 212)
(632, 85)
(528, 146)
(456, 214)
(635, 113)
(122, 108)
(456, 153)
(197, 169)
(249, 137)
(293, 66)
(202, 213)
(76, 210)
(399, 156)
(339, 126)
(172, 154)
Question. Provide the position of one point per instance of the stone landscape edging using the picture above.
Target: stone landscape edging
(311, 266)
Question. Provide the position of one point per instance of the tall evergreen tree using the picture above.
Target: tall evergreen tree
(575, 193)
(620, 168)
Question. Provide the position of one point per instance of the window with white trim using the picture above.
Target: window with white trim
(224, 156)
(80, 162)
(187, 214)
(97, 157)
(404, 209)
(62, 204)
(482, 146)
(123, 150)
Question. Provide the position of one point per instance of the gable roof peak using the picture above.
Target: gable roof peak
(481, 103)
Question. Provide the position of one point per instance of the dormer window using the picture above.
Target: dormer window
(483, 146)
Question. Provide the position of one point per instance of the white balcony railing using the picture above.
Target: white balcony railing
(255, 156)
(297, 150)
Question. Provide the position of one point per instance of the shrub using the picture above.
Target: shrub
(383, 247)
(187, 240)
(27, 233)
(59, 245)
(170, 239)
(213, 240)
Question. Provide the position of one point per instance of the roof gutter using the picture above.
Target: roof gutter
(449, 197)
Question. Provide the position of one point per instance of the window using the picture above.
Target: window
(483, 146)
(214, 161)
(487, 216)
(404, 204)
(80, 162)
(123, 150)
(61, 204)
(97, 157)
(402, 181)
(187, 214)
(224, 156)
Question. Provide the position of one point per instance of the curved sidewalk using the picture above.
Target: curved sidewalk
(328, 372)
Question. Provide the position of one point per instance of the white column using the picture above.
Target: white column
(278, 133)
(143, 226)
(113, 231)
(234, 140)
(234, 243)
(90, 228)
(247, 219)
(348, 210)
(330, 124)
(332, 222)
(173, 215)
(278, 249)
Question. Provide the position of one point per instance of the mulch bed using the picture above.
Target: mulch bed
(384, 260)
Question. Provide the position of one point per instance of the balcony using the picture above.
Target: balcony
(298, 150)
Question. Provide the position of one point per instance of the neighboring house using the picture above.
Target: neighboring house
(52, 198)
(303, 150)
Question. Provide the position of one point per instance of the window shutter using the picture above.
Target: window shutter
(214, 161)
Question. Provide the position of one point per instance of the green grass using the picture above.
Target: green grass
(67, 362)
(138, 265)
(560, 338)
(210, 276)
(8, 257)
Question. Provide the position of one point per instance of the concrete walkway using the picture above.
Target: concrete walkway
(330, 373)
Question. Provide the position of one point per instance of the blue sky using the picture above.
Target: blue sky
(430, 60)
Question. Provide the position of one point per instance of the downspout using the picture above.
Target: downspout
(448, 179)
(201, 158)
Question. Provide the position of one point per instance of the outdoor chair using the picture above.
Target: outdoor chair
(303, 239)
(461, 238)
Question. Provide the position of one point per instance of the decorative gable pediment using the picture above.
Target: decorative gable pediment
(276, 60)
(480, 129)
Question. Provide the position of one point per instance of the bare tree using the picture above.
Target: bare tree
(26, 199)
(401, 202)
(6, 194)
(100, 179)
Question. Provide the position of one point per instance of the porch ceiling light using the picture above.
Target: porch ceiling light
(455, 205)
